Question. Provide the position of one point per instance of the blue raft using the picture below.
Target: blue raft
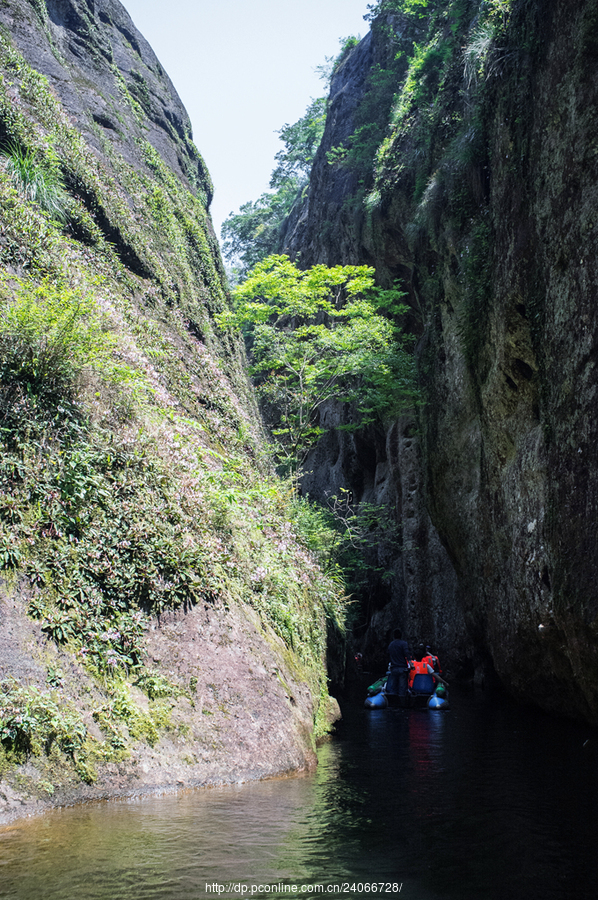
(423, 693)
(436, 702)
(377, 701)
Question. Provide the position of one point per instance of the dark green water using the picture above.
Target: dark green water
(484, 802)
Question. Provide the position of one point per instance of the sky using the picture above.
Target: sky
(243, 69)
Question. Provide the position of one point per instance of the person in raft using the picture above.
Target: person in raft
(398, 654)
(421, 664)
(426, 663)
(432, 660)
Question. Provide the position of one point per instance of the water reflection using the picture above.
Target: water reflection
(483, 802)
(163, 847)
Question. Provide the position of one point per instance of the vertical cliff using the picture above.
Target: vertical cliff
(483, 203)
(412, 580)
(161, 617)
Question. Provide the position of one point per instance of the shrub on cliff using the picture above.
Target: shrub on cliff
(37, 182)
(48, 335)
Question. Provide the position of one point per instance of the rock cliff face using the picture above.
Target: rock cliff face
(323, 228)
(417, 587)
(108, 79)
(161, 620)
(484, 204)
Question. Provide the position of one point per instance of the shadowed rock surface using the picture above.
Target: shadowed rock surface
(488, 218)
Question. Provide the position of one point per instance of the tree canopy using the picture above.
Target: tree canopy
(319, 335)
(254, 232)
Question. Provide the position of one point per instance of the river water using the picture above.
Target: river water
(486, 801)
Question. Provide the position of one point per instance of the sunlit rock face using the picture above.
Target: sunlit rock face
(137, 241)
(97, 60)
(498, 254)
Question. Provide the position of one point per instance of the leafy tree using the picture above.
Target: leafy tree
(301, 141)
(319, 335)
(255, 231)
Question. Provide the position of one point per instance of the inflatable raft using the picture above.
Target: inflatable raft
(424, 692)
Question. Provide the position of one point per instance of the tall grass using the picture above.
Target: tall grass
(37, 181)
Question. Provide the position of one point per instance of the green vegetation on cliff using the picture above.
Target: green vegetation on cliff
(132, 475)
(435, 155)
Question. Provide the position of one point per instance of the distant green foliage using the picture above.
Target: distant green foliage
(319, 335)
(301, 141)
(255, 231)
(368, 537)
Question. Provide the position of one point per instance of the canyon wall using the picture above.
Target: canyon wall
(161, 619)
(483, 204)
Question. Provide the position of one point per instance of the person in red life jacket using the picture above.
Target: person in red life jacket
(426, 664)
(398, 654)
(420, 665)
(432, 660)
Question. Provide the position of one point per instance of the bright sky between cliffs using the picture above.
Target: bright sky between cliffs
(244, 68)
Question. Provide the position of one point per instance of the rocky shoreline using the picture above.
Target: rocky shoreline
(249, 716)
